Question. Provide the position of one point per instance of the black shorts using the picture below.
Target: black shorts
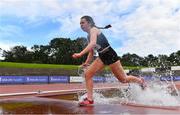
(109, 56)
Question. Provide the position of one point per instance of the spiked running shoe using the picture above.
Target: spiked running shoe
(86, 102)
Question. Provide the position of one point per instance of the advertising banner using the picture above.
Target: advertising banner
(76, 79)
(149, 77)
(175, 68)
(176, 78)
(12, 79)
(148, 70)
(111, 79)
(98, 79)
(36, 79)
(59, 79)
(166, 78)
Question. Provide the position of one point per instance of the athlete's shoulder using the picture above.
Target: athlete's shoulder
(94, 30)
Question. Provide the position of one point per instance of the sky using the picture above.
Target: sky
(142, 27)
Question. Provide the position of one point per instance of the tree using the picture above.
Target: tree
(174, 58)
(162, 61)
(40, 54)
(60, 50)
(151, 60)
(131, 60)
(18, 54)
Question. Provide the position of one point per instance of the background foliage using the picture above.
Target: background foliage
(60, 50)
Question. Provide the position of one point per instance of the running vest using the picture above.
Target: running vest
(101, 43)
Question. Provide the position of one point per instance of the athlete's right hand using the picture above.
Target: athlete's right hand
(76, 55)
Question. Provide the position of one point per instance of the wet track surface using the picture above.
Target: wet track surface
(38, 105)
(68, 104)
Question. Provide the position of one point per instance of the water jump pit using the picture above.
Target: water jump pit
(156, 99)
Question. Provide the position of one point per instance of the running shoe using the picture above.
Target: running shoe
(86, 102)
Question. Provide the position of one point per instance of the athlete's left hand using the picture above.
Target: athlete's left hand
(76, 55)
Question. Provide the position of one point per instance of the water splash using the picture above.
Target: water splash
(154, 95)
(157, 94)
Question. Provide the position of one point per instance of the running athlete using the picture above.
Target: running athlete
(107, 56)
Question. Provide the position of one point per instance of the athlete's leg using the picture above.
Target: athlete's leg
(118, 71)
(89, 73)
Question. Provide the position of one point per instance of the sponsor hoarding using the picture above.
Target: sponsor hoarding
(12, 79)
(36, 79)
(76, 79)
(99, 79)
(58, 79)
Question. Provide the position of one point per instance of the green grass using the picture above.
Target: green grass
(32, 65)
(50, 66)
(130, 68)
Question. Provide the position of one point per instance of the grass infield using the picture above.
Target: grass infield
(33, 65)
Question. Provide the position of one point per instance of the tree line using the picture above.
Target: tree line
(60, 50)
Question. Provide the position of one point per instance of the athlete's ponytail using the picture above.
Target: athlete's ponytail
(106, 27)
(91, 22)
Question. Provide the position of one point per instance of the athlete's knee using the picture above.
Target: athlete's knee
(124, 80)
(88, 74)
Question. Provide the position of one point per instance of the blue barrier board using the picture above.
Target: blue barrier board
(111, 79)
(36, 79)
(12, 79)
(168, 78)
(98, 79)
(176, 78)
(149, 77)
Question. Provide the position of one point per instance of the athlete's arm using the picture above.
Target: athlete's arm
(89, 57)
(91, 45)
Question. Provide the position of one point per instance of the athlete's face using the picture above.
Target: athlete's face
(84, 24)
